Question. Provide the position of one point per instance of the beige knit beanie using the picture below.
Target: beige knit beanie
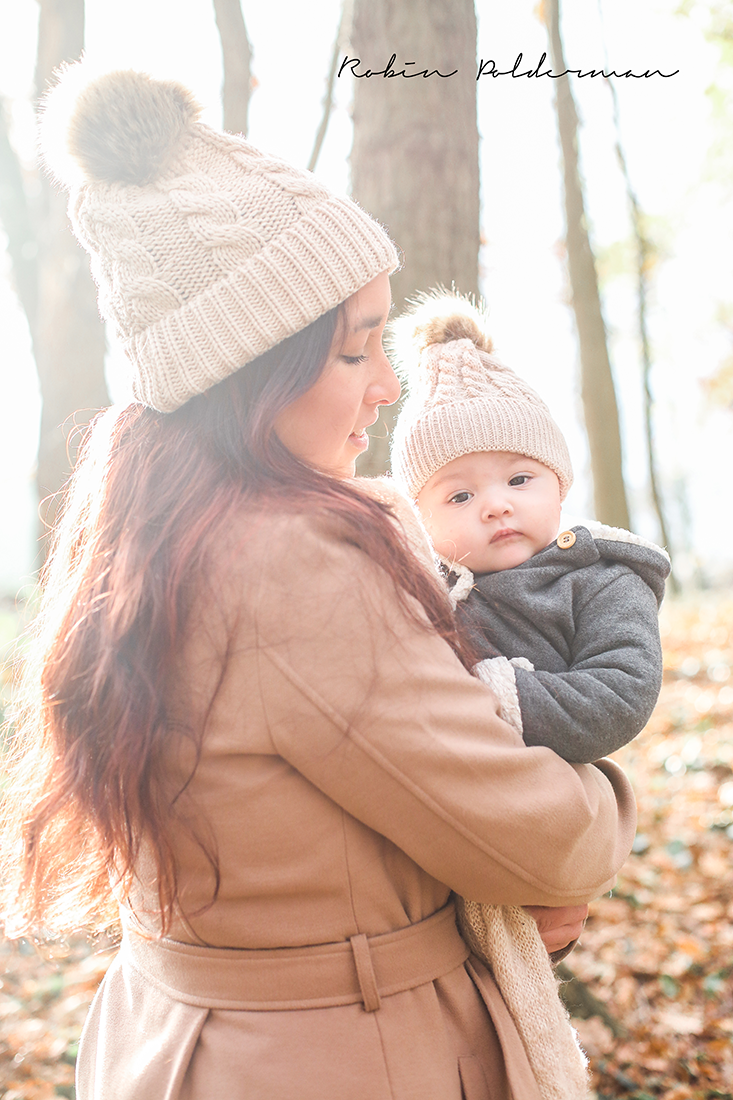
(462, 399)
(206, 251)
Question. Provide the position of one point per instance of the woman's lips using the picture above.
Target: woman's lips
(360, 440)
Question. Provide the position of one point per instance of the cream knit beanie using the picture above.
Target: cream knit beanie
(206, 251)
(462, 399)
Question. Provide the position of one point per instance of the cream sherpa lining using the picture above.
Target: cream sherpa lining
(498, 674)
(619, 534)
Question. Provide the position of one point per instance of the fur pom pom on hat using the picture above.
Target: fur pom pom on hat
(438, 318)
(206, 251)
(118, 127)
(462, 399)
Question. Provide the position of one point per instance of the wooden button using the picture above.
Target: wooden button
(566, 540)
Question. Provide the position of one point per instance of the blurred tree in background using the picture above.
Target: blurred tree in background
(414, 165)
(414, 160)
(718, 17)
(598, 394)
(237, 65)
(51, 273)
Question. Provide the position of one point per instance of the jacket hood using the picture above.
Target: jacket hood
(650, 561)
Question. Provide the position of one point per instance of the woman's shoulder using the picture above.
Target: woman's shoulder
(405, 513)
(290, 560)
(275, 542)
(267, 534)
(258, 536)
(266, 560)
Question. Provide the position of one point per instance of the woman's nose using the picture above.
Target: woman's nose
(386, 387)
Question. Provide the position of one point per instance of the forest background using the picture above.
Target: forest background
(676, 134)
(656, 955)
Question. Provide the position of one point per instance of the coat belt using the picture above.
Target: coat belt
(363, 968)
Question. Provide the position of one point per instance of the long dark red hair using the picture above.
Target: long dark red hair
(87, 785)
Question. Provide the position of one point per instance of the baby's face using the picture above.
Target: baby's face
(491, 510)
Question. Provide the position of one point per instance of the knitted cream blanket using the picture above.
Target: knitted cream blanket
(505, 937)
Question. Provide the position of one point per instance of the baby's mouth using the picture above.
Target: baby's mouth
(503, 534)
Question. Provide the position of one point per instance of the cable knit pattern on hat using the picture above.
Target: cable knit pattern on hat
(462, 399)
(206, 251)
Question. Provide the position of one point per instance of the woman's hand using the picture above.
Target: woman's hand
(558, 926)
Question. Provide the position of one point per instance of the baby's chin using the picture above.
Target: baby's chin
(498, 558)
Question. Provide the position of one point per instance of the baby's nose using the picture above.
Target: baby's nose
(497, 505)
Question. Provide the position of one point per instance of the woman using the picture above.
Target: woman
(251, 714)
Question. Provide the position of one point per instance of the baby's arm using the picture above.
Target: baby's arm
(608, 694)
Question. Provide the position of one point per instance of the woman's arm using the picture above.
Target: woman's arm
(374, 709)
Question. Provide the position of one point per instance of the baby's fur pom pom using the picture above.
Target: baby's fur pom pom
(437, 318)
(120, 127)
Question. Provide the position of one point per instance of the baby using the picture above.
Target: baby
(567, 623)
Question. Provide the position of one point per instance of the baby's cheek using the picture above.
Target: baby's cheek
(433, 526)
(441, 543)
(441, 536)
(457, 544)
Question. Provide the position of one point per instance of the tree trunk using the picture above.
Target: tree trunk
(597, 389)
(645, 261)
(414, 162)
(68, 335)
(340, 43)
(16, 219)
(237, 61)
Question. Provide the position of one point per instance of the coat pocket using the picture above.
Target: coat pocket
(474, 1085)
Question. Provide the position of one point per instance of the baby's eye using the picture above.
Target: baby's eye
(460, 498)
(355, 359)
(520, 479)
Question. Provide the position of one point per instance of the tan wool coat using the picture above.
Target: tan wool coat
(352, 776)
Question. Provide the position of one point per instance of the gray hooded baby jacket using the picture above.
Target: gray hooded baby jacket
(582, 613)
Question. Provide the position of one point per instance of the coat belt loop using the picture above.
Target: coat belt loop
(365, 973)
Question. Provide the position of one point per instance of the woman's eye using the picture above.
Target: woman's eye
(355, 359)
(520, 479)
(460, 498)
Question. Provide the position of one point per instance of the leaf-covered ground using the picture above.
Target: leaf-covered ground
(658, 953)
